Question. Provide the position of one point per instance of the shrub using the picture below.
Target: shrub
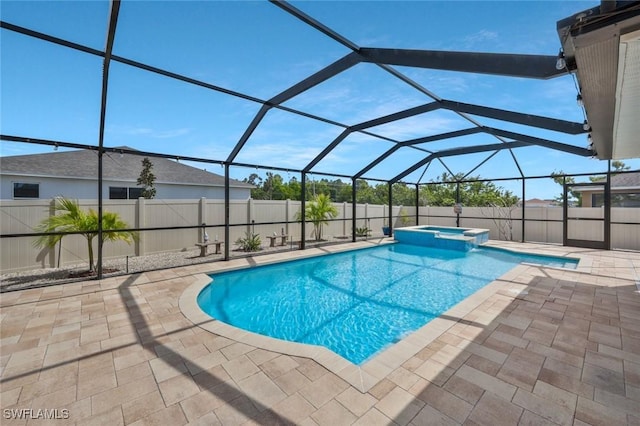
(318, 212)
(250, 242)
(71, 218)
(363, 232)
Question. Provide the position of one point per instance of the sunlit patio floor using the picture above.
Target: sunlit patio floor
(537, 346)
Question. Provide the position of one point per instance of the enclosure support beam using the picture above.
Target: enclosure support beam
(368, 124)
(441, 136)
(303, 209)
(417, 204)
(411, 112)
(111, 33)
(390, 209)
(565, 210)
(521, 140)
(459, 151)
(227, 211)
(607, 209)
(480, 164)
(571, 149)
(326, 73)
(314, 23)
(377, 160)
(457, 202)
(354, 193)
(524, 205)
(557, 125)
(506, 64)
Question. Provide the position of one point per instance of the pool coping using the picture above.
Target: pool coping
(363, 377)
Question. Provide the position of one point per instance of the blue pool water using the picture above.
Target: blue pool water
(356, 303)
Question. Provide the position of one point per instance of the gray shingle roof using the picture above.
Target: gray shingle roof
(125, 167)
(626, 180)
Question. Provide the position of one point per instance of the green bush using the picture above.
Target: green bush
(70, 217)
(363, 232)
(318, 212)
(250, 242)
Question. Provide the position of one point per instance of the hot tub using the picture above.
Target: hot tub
(445, 237)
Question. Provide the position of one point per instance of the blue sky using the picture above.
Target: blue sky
(52, 92)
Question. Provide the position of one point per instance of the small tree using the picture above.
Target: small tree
(147, 179)
(573, 196)
(619, 166)
(318, 212)
(501, 214)
(404, 217)
(74, 219)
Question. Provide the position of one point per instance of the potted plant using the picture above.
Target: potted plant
(385, 228)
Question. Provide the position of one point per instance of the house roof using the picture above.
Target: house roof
(122, 167)
(626, 180)
(539, 201)
(622, 181)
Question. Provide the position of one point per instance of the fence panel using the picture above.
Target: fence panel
(625, 235)
(542, 225)
(167, 213)
(20, 217)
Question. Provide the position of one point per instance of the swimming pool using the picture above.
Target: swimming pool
(359, 302)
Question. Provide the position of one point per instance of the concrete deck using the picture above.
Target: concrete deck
(537, 346)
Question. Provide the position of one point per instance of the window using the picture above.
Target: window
(135, 193)
(628, 199)
(117, 193)
(26, 190)
(124, 193)
(597, 200)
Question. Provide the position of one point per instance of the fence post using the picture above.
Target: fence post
(344, 218)
(546, 224)
(52, 250)
(249, 215)
(286, 216)
(140, 222)
(366, 212)
(202, 217)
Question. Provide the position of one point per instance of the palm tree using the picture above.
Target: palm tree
(318, 212)
(74, 219)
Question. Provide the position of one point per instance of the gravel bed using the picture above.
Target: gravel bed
(112, 267)
(120, 266)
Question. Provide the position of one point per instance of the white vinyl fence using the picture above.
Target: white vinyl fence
(544, 224)
(265, 217)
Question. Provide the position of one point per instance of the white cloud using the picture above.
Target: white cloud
(419, 126)
(293, 155)
(480, 37)
(147, 132)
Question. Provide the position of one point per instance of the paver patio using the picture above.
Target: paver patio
(540, 346)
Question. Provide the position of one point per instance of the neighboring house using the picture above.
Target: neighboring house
(625, 192)
(74, 174)
(537, 202)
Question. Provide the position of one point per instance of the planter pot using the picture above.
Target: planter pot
(385, 230)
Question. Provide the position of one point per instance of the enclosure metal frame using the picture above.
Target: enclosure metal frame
(526, 66)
